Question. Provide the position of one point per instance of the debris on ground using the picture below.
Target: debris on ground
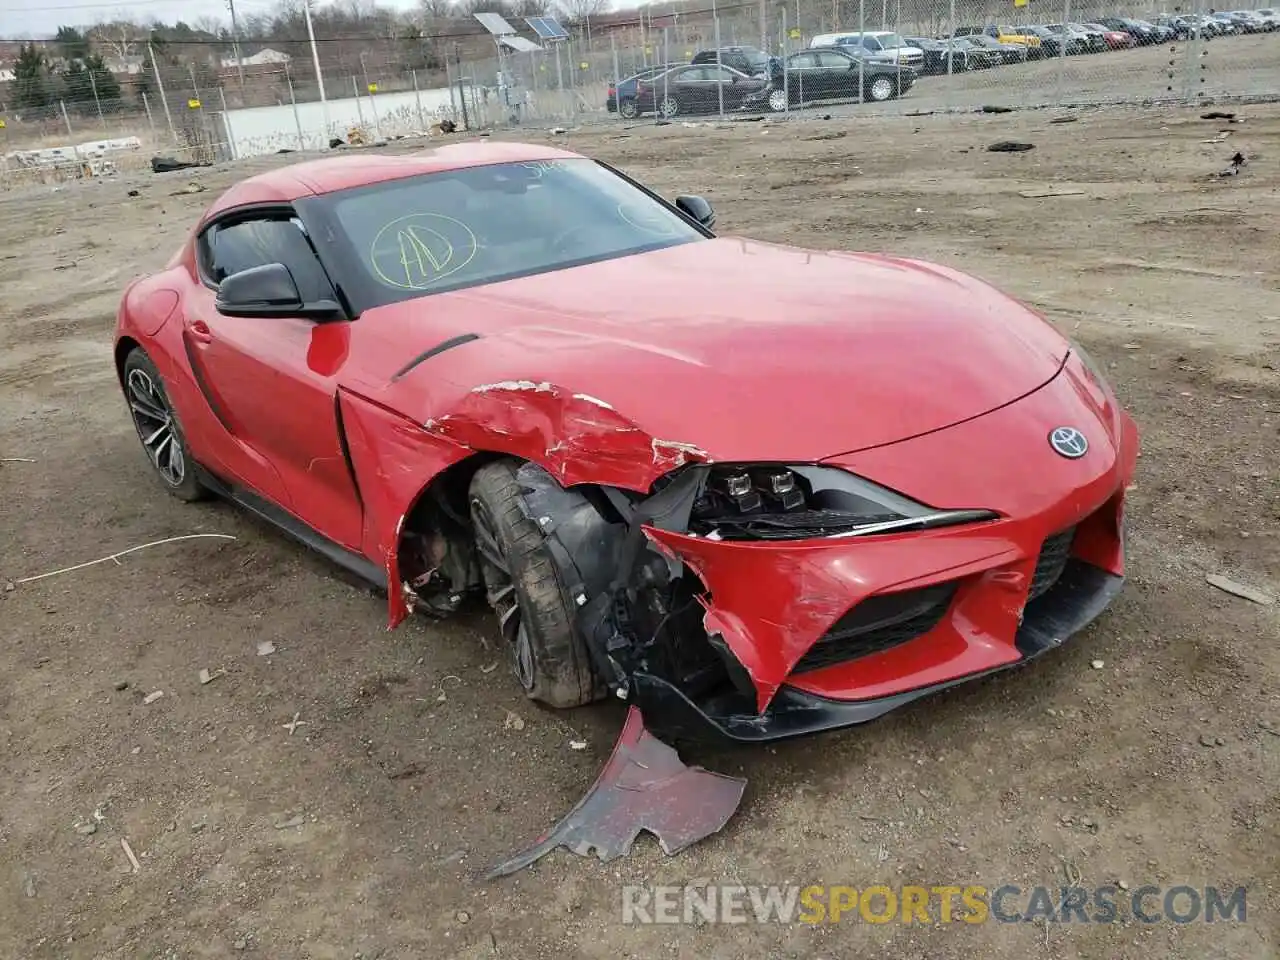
(153, 696)
(1066, 119)
(514, 721)
(116, 556)
(295, 821)
(16, 460)
(1097, 664)
(1217, 115)
(833, 135)
(1220, 138)
(1237, 589)
(644, 786)
(294, 724)
(128, 852)
(990, 109)
(1236, 162)
(122, 684)
(135, 193)
(1051, 192)
(205, 676)
(577, 744)
(86, 829)
(1010, 146)
(192, 187)
(169, 165)
(266, 648)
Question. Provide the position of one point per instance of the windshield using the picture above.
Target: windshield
(443, 231)
(890, 40)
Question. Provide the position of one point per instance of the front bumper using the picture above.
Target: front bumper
(824, 633)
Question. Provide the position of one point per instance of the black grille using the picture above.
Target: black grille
(1054, 553)
(879, 623)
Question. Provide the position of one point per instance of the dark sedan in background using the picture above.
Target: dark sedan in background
(831, 73)
(697, 88)
(621, 97)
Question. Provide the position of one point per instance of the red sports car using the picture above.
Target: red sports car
(755, 490)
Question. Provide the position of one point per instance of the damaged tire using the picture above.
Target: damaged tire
(535, 615)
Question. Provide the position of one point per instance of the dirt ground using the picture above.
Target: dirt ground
(360, 832)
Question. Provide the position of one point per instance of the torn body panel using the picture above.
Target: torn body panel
(576, 437)
(644, 786)
(394, 461)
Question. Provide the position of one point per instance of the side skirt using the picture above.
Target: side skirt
(285, 521)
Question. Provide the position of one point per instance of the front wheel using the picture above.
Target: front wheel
(628, 110)
(668, 107)
(158, 428)
(880, 89)
(536, 617)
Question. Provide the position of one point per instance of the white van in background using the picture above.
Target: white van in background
(879, 43)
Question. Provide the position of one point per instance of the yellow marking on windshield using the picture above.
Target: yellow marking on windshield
(425, 247)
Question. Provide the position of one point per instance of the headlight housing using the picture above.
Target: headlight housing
(771, 501)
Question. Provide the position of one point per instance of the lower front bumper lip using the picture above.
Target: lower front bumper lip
(1084, 592)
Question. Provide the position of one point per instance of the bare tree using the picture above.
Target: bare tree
(576, 10)
(120, 37)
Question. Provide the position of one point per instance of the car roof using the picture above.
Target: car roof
(364, 167)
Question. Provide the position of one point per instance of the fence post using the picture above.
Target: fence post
(719, 83)
(617, 75)
(417, 97)
(783, 47)
(226, 125)
(1062, 50)
(293, 102)
(151, 123)
(462, 91)
(951, 32)
(66, 119)
(560, 81)
(862, 61)
(355, 88)
(164, 100)
(93, 85)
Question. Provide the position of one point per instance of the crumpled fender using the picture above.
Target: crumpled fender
(575, 437)
(771, 601)
(394, 460)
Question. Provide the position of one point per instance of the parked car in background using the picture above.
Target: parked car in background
(697, 88)
(1077, 41)
(1002, 34)
(1184, 28)
(1114, 39)
(1009, 52)
(974, 55)
(875, 41)
(1254, 23)
(1096, 36)
(1270, 16)
(749, 60)
(832, 73)
(1143, 35)
(621, 97)
(1049, 45)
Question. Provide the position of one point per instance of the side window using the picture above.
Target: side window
(244, 244)
(871, 43)
(719, 74)
(804, 61)
(833, 61)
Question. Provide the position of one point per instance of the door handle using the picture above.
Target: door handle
(200, 331)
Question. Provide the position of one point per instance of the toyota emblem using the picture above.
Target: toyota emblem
(1069, 442)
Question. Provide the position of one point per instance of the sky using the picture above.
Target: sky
(34, 18)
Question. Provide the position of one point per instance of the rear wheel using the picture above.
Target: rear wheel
(880, 89)
(669, 106)
(158, 428)
(777, 100)
(536, 618)
(627, 109)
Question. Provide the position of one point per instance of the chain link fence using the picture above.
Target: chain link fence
(795, 58)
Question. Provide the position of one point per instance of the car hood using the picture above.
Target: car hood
(741, 349)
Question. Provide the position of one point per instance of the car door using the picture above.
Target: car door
(802, 73)
(272, 381)
(834, 75)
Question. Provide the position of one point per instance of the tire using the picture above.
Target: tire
(668, 107)
(158, 428)
(880, 89)
(536, 617)
(627, 109)
(777, 100)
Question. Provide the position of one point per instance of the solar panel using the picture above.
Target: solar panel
(519, 44)
(495, 24)
(548, 28)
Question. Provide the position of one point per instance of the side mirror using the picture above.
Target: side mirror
(269, 290)
(698, 209)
